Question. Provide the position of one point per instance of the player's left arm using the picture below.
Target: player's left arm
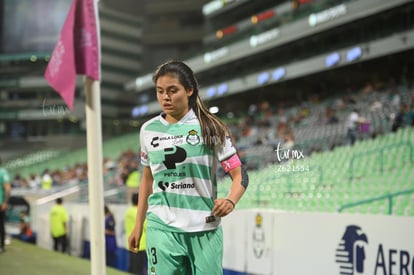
(240, 181)
(7, 190)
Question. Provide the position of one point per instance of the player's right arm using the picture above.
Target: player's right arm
(145, 190)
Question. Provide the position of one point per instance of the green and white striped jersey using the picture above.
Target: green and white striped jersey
(184, 171)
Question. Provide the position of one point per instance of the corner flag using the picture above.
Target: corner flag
(76, 52)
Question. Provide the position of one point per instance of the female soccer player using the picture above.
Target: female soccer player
(180, 151)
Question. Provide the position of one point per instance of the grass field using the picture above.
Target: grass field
(27, 259)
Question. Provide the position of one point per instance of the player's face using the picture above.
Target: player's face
(172, 97)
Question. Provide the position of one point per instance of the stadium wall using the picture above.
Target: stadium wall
(259, 241)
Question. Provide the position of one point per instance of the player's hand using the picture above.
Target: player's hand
(222, 207)
(133, 240)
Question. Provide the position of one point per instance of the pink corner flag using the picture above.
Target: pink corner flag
(76, 51)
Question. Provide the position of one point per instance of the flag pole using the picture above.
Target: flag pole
(95, 163)
(95, 176)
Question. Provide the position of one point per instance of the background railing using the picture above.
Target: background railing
(388, 197)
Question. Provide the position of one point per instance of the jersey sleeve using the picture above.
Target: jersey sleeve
(227, 155)
(226, 150)
(144, 150)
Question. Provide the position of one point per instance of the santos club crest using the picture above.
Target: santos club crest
(193, 138)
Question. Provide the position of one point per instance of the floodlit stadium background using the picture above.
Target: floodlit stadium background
(282, 74)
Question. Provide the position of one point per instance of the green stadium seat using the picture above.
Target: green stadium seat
(309, 192)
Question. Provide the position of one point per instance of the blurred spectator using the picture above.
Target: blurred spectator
(264, 111)
(252, 110)
(282, 124)
(25, 230)
(47, 181)
(83, 177)
(137, 259)
(364, 127)
(352, 127)
(56, 177)
(123, 173)
(376, 105)
(289, 141)
(249, 127)
(303, 113)
(132, 181)
(24, 183)
(17, 181)
(34, 181)
(266, 134)
(110, 238)
(331, 116)
(399, 119)
(349, 99)
(395, 98)
(58, 226)
(340, 104)
(109, 172)
(369, 88)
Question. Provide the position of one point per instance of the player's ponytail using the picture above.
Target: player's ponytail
(214, 131)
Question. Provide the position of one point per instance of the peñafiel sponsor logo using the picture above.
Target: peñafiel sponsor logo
(174, 155)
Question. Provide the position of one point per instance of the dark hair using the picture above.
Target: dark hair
(213, 130)
(59, 200)
(134, 199)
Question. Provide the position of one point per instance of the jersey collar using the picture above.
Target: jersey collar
(188, 116)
